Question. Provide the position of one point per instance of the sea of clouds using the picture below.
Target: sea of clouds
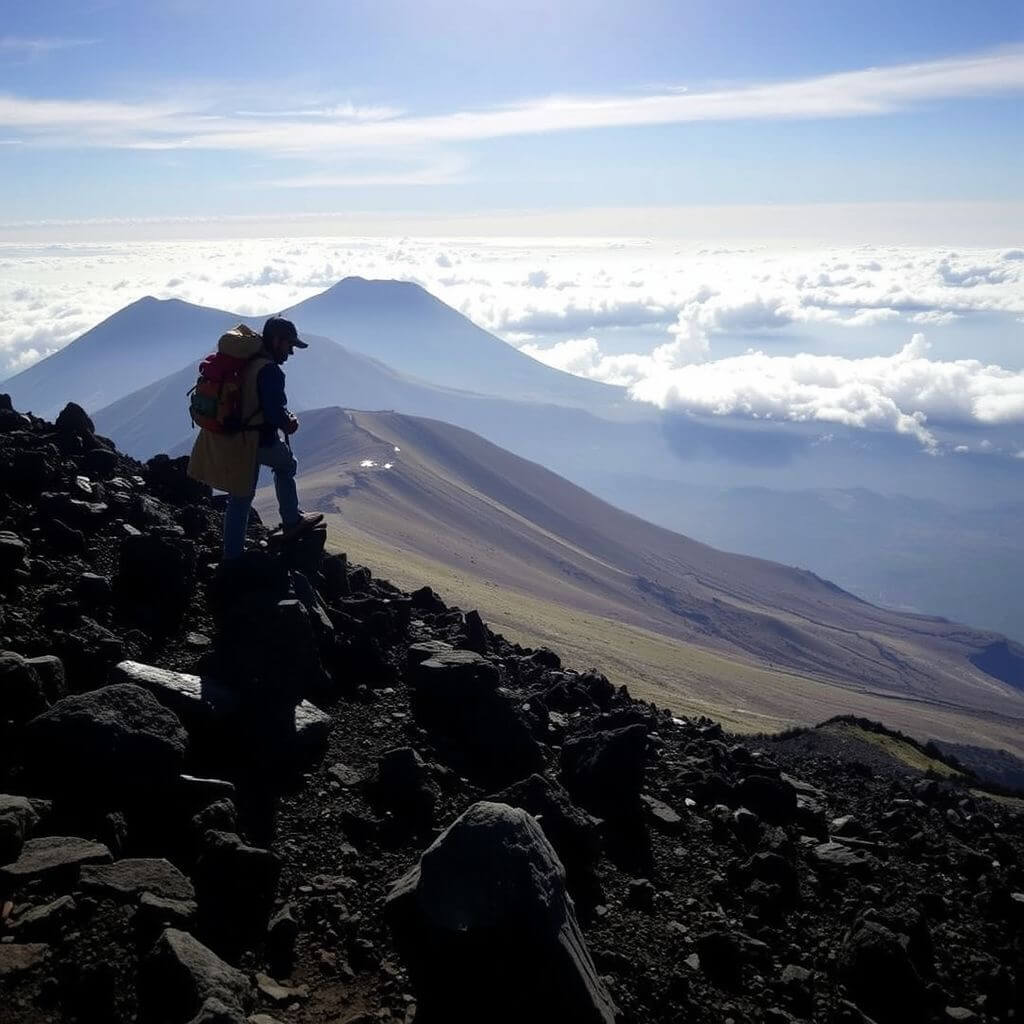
(897, 339)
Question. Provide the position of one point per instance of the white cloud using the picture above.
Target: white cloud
(902, 392)
(668, 319)
(193, 125)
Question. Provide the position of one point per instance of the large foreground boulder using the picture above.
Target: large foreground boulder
(487, 931)
(113, 743)
(181, 975)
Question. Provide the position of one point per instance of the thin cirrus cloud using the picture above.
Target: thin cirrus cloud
(39, 46)
(867, 92)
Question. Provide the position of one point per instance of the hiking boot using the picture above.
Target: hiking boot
(305, 521)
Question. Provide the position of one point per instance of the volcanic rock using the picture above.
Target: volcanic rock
(112, 743)
(487, 931)
(53, 858)
(457, 694)
(129, 879)
(880, 977)
(605, 770)
(22, 695)
(181, 974)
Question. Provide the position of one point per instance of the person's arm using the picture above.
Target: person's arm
(273, 400)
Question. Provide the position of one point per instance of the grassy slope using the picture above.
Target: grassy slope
(743, 695)
(757, 645)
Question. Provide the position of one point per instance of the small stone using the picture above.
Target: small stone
(961, 1014)
(52, 855)
(18, 957)
(277, 993)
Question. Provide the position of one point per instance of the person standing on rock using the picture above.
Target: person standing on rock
(230, 450)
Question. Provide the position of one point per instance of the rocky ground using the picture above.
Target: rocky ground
(290, 792)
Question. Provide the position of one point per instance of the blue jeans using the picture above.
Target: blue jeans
(279, 458)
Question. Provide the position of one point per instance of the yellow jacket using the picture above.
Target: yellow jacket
(227, 462)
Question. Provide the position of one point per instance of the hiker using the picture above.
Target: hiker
(240, 405)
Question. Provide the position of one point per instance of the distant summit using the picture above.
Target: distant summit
(403, 325)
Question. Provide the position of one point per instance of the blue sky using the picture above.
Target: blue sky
(126, 110)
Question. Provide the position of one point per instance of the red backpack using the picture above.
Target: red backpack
(215, 403)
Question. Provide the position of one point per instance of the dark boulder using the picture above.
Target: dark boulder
(22, 694)
(50, 858)
(73, 419)
(403, 785)
(112, 743)
(604, 770)
(486, 929)
(17, 820)
(181, 975)
(13, 551)
(129, 879)
(879, 975)
(575, 834)
(772, 799)
(235, 885)
(457, 694)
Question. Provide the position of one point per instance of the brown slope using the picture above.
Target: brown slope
(457, 500)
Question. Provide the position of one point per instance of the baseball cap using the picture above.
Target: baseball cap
(277, 327)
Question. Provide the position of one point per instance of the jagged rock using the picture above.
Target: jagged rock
(486, 929)
(112, 743)
(88, 652)
(605, 770)
(213, 1011)
(50, 670)
(280, 994)
(13, 552)
(22, 694)
(774, 800)
(206, 706)
(74, 419)
(456, 693)
(427, 649)
(17, 820)
(158, 912)
(235, 885)
(63, 537)
(403, 784)
(93, 590)
(47, 921)
(129, 879)
(181, 974)
(879, 975)
(575, 834)
(476, 633)
(426, 600)
(661, 816)
(17, 958)
(841, 862)
(100, 462)
(282, 934)
(53, 858)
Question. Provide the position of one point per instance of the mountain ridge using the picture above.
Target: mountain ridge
(449, 496)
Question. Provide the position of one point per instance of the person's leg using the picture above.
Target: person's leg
(236, 518)
(279, 458)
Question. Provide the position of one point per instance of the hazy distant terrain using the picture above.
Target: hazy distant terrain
(758, 641)
(891, 523)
